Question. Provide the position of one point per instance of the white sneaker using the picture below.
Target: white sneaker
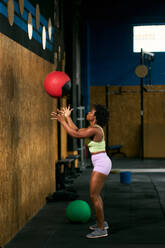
(93, 227)
(97, 233)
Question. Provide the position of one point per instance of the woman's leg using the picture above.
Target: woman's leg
(96, 184)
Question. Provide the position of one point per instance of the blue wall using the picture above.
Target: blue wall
(112, 60)
(108, 57)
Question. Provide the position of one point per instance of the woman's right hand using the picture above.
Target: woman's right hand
(66, 111)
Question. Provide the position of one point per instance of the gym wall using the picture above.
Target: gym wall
(111, 58)
(124, 123)
(28, 143)
(110, 61)
(28, 138)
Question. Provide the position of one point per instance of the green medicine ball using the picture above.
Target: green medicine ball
(78, 211)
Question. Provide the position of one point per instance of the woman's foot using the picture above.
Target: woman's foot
(97, 233)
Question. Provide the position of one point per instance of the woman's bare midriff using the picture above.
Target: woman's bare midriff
(97, 152)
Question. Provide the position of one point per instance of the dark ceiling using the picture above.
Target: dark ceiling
(115, 9)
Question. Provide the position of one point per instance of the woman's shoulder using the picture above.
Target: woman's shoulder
(99, 127)
(94, 128)
(91, 128)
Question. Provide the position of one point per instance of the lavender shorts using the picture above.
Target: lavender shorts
(101, 163)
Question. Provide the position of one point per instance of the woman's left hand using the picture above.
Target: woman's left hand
(57, 116)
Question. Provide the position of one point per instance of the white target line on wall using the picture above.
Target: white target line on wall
(30, 26)
(44, 37)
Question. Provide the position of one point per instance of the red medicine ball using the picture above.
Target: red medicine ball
(57, 84)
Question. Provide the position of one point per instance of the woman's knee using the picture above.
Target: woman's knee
(94, 196)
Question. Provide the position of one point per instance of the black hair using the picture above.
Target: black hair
(102, 114)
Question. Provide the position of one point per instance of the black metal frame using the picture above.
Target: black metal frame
(144, 56)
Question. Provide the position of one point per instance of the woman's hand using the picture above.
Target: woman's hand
(58, 116)
(66, 111)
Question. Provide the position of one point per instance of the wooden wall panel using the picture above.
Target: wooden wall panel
(64, 151)
(154, 122)
(154, 141)
(98, 96)
(28, 138)
(125, 124)
(63, 103)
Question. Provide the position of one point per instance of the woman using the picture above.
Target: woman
(101, 162)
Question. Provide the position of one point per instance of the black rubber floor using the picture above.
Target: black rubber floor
(135, 212)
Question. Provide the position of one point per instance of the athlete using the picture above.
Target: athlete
(97, 118)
